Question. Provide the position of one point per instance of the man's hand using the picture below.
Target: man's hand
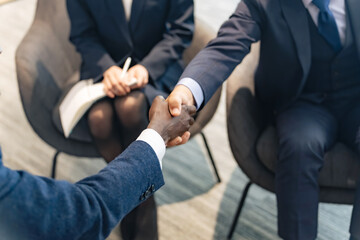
(140, 73)
(113, 85)
(171, 129)
(181, 95)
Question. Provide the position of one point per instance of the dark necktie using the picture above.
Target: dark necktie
(327, 25)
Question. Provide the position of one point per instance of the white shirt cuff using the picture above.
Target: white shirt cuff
(195, 90)
(156, 142)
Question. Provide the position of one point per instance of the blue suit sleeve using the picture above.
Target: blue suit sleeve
(35, 207)
(214, 64)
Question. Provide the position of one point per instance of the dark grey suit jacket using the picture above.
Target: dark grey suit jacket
(285, 55)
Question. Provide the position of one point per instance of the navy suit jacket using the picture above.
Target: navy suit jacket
(33, 207)
(156, 35)
(285, 54)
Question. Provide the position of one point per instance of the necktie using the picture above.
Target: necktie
(327, 25)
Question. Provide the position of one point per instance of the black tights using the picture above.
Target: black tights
(114, 124)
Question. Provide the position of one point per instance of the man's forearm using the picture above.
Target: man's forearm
(48, 209)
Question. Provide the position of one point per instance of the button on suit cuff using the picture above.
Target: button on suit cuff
(156, 142)
(195, 90)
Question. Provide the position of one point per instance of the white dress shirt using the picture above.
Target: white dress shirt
(337, 7)
(127, 7)
(156, 142)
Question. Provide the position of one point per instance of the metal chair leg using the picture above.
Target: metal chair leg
(53, 170)
(237, 215)
(211, 157)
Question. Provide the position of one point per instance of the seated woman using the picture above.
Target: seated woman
(154, 33)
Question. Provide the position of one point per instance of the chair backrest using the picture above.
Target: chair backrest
(46, 63)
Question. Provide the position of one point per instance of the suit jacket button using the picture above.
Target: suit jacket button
(147, 193)
(153, 188)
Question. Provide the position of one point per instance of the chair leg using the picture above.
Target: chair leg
(211, 157)
(53, 170)
(241, 204)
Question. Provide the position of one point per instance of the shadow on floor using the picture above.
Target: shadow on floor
(186, 172)
(258, 217)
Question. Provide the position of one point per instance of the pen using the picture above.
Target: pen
(125, 67)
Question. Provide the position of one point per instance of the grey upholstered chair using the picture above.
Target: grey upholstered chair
(47, 63)
(254, 144)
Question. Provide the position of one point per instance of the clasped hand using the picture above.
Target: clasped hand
(116, 85)
(174, 130)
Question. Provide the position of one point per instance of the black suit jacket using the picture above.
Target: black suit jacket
(285, 54)
(155, 36)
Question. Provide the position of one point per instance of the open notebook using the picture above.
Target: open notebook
(77, 101)
(80, 98)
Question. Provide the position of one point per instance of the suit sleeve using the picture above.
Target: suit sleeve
(35, 207)
(213, 65)
(83, 34)
(178, 35)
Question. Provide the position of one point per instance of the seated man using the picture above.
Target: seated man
(34, 207)
(308, 80)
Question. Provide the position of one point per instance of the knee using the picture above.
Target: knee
(301, 144)
(132, 109)
(100, 122)
(304, 149)
(305, 141)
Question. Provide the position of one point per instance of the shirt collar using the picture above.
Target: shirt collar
(306, 3)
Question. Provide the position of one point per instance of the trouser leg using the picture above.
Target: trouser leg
(141, 223)
(355, 218)
(349, 134)
(305, 132)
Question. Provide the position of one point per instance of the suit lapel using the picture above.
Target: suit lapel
(136, 12)
(296, 17)
(117, 12)
(353, 8)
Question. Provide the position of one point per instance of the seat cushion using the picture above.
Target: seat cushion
(341, 168)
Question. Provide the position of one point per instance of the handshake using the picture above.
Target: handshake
(174, 130)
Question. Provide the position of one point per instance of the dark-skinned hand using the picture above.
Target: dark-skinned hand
(174, 130)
